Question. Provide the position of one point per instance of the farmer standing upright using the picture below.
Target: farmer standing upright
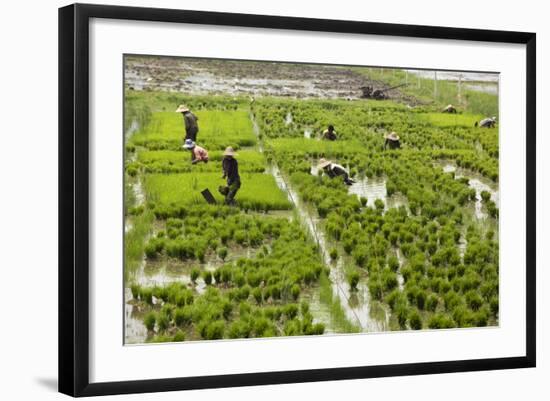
(190, 121)
(231, 172)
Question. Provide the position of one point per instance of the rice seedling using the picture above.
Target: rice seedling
(195, 274)
(207, 277)
(179, 336)
(149, 320)
(222, 253)
(415, 320)
(353, 280)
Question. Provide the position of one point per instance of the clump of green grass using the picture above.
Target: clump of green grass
(149, 321)
(415, 320)
(222, 252)
(207, 277)
(353, 279)
(179, 336)
(195, 274)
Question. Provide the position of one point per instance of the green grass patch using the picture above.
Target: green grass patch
(258, 191)
(303, 146)
(173, 161)
(134, 242)
(451, 120)
(217, 130)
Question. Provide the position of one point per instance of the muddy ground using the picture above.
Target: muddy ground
(208, 76)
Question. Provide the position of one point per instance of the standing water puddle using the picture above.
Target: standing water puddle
(135, 331)
(372, 189)
(475, 181)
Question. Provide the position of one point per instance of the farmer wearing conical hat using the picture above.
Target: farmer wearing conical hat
(230, 168)
(190, 121)
(449, 109)
(392, 141)
(489, 122)
(198, 154)
(335, 170)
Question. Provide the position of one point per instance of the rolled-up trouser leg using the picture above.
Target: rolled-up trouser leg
(233, 189)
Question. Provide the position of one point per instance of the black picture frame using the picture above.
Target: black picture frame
(74, 194)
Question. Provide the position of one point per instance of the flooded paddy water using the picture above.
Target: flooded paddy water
(375, 188)
(477, 182)
(371, 189)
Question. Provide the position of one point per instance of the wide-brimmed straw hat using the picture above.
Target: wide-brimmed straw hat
(323, 163)
(229, 151)
(189, 144)
(182, 108)
(392, 136)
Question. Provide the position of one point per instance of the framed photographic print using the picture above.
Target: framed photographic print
(249, 199)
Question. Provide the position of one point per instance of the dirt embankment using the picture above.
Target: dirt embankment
(204, 76)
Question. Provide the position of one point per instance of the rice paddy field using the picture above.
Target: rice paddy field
(411, 245)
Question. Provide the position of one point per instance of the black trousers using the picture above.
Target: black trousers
(233, 189)
(191, 134)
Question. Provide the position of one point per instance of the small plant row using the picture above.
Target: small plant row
(249, 298)
(166, 162)
(215, 315)
(367, 123)
(192, 237)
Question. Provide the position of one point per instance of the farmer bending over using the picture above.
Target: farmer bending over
(487, 122)
(198, 154)
(392, 141)
(335, 170)
(329, 134)
(449, 109)
(190, 121)
(231, 172)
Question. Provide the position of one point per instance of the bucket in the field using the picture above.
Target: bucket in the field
(207, 195)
